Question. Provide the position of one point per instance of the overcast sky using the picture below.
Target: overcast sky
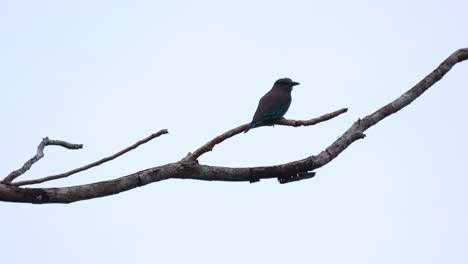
(108, 73)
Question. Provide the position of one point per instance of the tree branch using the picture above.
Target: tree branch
(283, 122)
(292, 171)
(93, 164)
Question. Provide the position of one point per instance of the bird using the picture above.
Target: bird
(274, 104)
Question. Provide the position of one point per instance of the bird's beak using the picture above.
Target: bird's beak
(295, 83)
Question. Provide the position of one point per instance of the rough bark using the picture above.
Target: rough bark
(189, 168)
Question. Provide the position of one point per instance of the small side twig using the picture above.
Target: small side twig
(298, 177)
(93, 164)
(39, 155)
(283, 122)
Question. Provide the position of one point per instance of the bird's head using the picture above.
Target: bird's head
(285, 83)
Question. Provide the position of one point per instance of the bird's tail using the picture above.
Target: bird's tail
(249, 127)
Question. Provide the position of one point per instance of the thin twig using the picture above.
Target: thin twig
(39, 155)
(93, 164)
(313, 121)
(283, 122)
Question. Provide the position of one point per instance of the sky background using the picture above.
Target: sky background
(108, 73)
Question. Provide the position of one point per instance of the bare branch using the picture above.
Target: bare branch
(299, 169)
(283, 122)
(313, 121)
(39, 155)
(93, 164)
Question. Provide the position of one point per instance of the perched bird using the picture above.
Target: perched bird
(274, 104)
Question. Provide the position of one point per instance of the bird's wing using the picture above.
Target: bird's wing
(271, 106)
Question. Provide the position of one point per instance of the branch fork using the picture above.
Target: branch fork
(46, 142)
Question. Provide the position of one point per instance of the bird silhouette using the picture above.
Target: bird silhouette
(274, 104)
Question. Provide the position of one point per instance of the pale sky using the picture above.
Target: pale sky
(108, 73)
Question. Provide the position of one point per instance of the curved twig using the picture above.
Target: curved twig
(283, 122)
(93, 164)
(291, 171)
(39, 155)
